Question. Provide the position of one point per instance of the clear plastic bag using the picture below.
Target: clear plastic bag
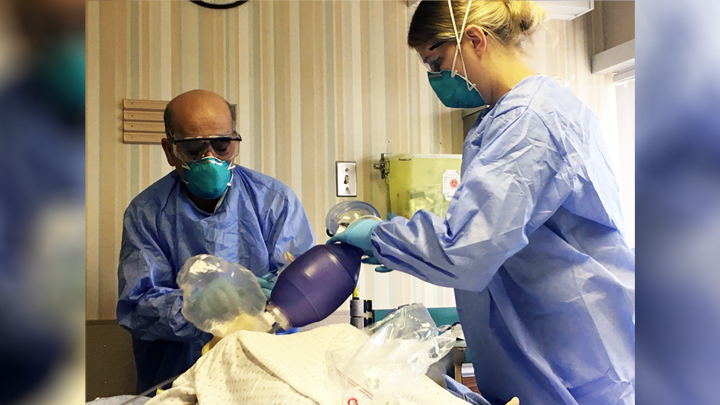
(401, 349)
(220, 297)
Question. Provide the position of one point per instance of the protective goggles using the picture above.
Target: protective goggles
(224, 147)
(433, 64)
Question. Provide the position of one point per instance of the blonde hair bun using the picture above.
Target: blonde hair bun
(507, 22)
(526, 16)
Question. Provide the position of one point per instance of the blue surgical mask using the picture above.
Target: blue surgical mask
(454, 90)
(208, 178)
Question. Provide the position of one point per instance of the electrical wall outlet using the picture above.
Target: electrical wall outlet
(345, 179)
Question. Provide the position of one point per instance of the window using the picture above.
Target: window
(625, 104)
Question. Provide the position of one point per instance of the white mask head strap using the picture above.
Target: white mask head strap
(458, 40)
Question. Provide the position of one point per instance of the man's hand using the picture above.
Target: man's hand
(267, 283)
(217, 299)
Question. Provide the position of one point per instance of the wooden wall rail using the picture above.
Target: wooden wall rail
(143, 120)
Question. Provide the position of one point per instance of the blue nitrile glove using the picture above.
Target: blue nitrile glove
(371, 259)
(357, 234)
(464, 392)
(287, 332)
(267, 283)
(390, 215)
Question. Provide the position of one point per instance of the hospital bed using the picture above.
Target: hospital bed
(111, 369)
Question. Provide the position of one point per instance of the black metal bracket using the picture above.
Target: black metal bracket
(219, 6)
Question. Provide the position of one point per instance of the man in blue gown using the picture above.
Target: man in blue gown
(207, 205)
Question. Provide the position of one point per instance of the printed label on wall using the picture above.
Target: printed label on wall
(451, 181)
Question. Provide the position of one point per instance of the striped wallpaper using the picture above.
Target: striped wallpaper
(314, 82)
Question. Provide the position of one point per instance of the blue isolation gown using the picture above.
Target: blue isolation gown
(257, 221)
(532, 245)
(43, 173)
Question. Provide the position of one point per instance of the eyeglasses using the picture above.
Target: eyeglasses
(224, 147)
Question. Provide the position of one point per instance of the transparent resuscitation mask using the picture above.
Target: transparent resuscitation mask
(341, 215)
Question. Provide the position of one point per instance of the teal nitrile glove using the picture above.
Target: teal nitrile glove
(371, 259)
(357, 234)
(267, 283)
(216, 299)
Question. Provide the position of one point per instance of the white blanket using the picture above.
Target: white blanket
(256, 368)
